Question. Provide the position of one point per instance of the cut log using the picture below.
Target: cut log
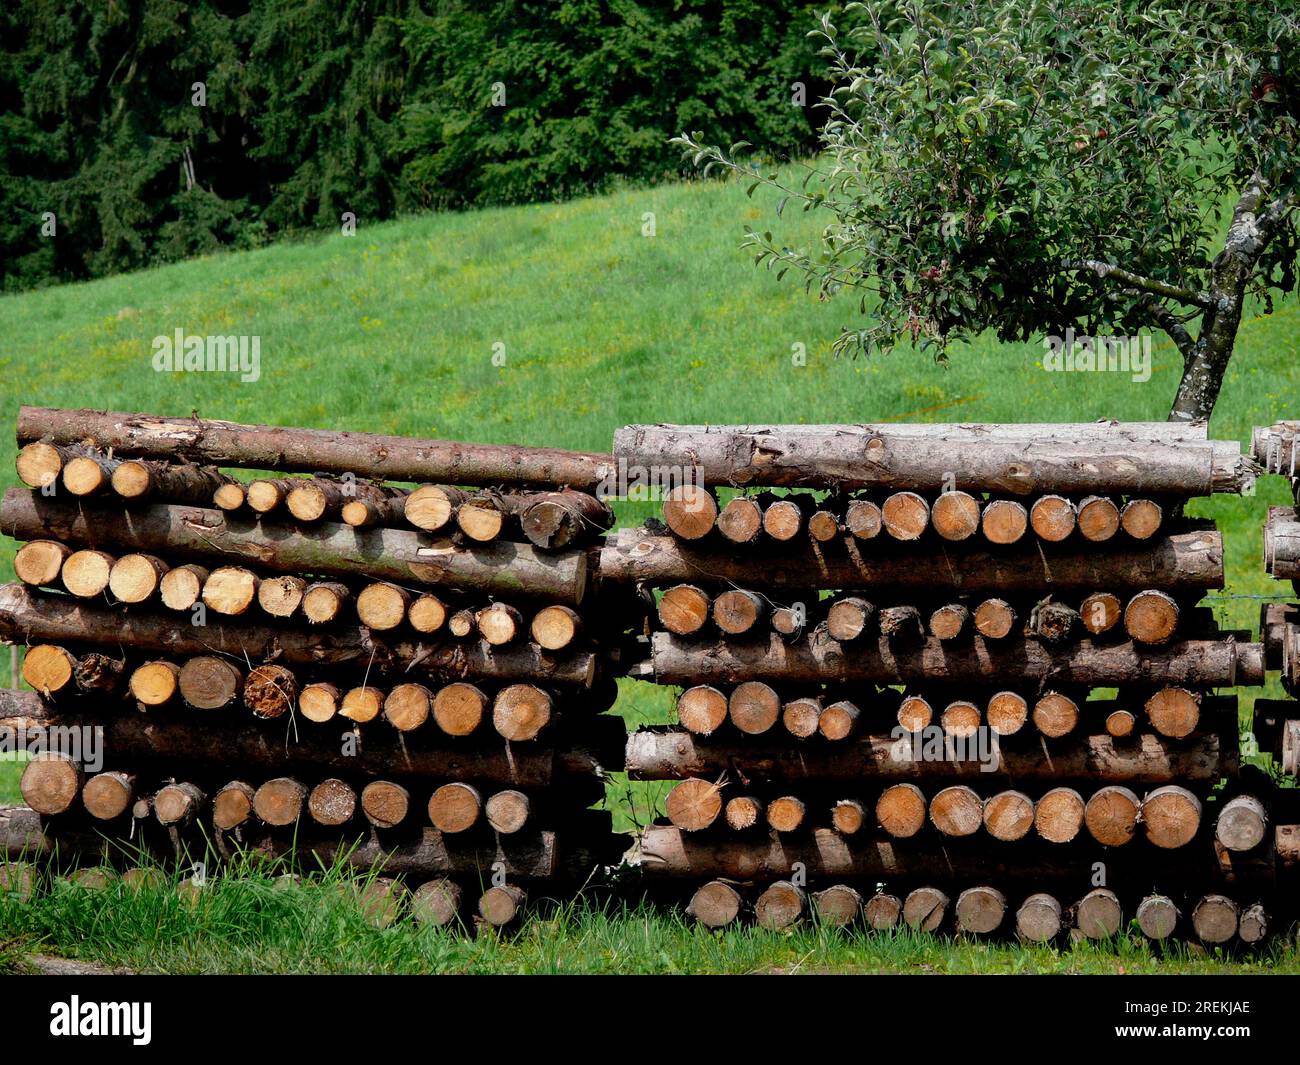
(1039, 918)
(950, 622)
(786, 814)
(995, 619)
(232, 806)
(1004, 522)
(690, 511)
(207, 682)
(1183, 561)
(914, 713)
(839, 721)
(753, 707)
(790, 621)
(107, 796)
(863, 520)
(500, 624)
(40, 463)
(1141, 518)
(436, 902)
(925, 908)
(1215, 919)
(694, 804)
(1099, 914)
(382, 607)
(1100, 612)
(1174, 712)
(905, 516)
(155, 684)
(824, 526)
(279, 802)
(328, 548)
(1001, 459)
(178, 804)
(459, 708)
(40, 562)
(683, 609)
(901, 810)
(902, 624)
(736, 611)
(1120, 723)
(86, 573)
(742, 813)
(883, 911)
(362, 704)
(849, 618)
(487, 517)
(455, 807)
(384, 803)
(1055, 715)
(371, 505)
(51, 783)
(955, 515)
(1151, 617)
(1053, 518)
(838, 906)
(407, 706)
(267, 495)
(428, 614)
(1200, 663)
(182, 586)
(230, 497)
(1098, 519)
(1007, 713)
(715, 904)
(980, 910)
(99, 674)
(270, 691)
(780, 906)
(281, 597)
(1111, 815)
(1171, 816)
(1055, 622)
(507, 811)
(312, 499)
(319, 702)
(702, 710)
(783, 520)
(1157, 916)
(1241, 823)
(49, 669)
(554, 521)
(380, 900)
(961, 719)
(521, 711)
(1009, 815)
(432, 507)
(141, 479)
(741, 520)
(88, 475)
(555, 627)
(461, 624)
(501, 906)
(848, 816)
(1252, 926)
(1058, 815)
(956, 811)
(25, 618)
(230, 590)
(800, 717)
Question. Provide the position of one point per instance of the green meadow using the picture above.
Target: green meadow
(553, 325)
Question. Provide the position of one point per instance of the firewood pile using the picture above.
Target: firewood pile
(947, 676)
(362, 649)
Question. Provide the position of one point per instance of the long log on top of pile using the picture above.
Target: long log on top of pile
(403, 556)
(1191, 663)
(666, 851)
(57, 619)
(1190, 560)
(269, 447)
(1066, 459)
(1148, 759)
(171, 740)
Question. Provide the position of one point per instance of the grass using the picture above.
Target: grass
(553, 325)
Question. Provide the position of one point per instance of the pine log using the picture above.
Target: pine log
(702, 710)
(1157, 916)
(839, 721)
(753, 707)
(1039, 918)
(232, 806)
(208, 682)
(85, 573)
(863, 520)
(230, 497)
(1100, 612)
(736, 611)
(1141, 518)
(155, 684)
(459, 708)
(267, 495)
(786, 814)
(554, 627)
(230, 590)
(905, 516)
(1009, 815)
(901, 624)
(270, 691)
(923, 457)
(507, 811)
(1052, 518)
(799, 716)
(715, 904)
(824, 526)
(436, 902)
(89, 474)
(1098, 519)
(1055, 715)
(995, 619)
(362, 704)
(1183, 561)
(955, 515)
(521, 711)
(140, 479)
(49, 669)
(99, 674)
(500, 624)
(25, 618)
(1174, 712)
(980, 910)
(901, 810)
(848, 816)
(1099, 914)
(40, 463)
(838, 906)
(455, 807)
(1198, 663)
(279, 802)
(487, 517)
(328, 548)
(311, 499)
(694, 804)
(914, 713)
(40, 562)
(956, 811)
(849, 618)
(107, 796)
(883, 911)
(683, 609)
(182, 586)
(319, 702)
(779, 906)
(1004, 522)
(925, 908)
(1007, 713)
(1215, 919)
(960, 719)
(1241, 824)
(281, 597)
(1055, 622)
(432, 507)
(1111, 815)
(1252, 926)
(1058, 815)
(689, 511)
(742, 812)
(428, 614)
(783, 520)
(741, 520)
(178, 804)
(1151, 617)
(1120, 723)
(407, 706)
(384, 803)
(950, 623)
(382, 607)
(554, 521)
(1171, 816)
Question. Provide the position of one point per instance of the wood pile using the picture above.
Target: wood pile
(356, 648)
(947, 676)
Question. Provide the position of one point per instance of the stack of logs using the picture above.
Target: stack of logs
(889, 642)
(381, 652)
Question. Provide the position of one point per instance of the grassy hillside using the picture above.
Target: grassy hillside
(395, 330)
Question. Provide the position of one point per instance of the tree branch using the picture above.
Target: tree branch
(1168, 321)
(1146, 284)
